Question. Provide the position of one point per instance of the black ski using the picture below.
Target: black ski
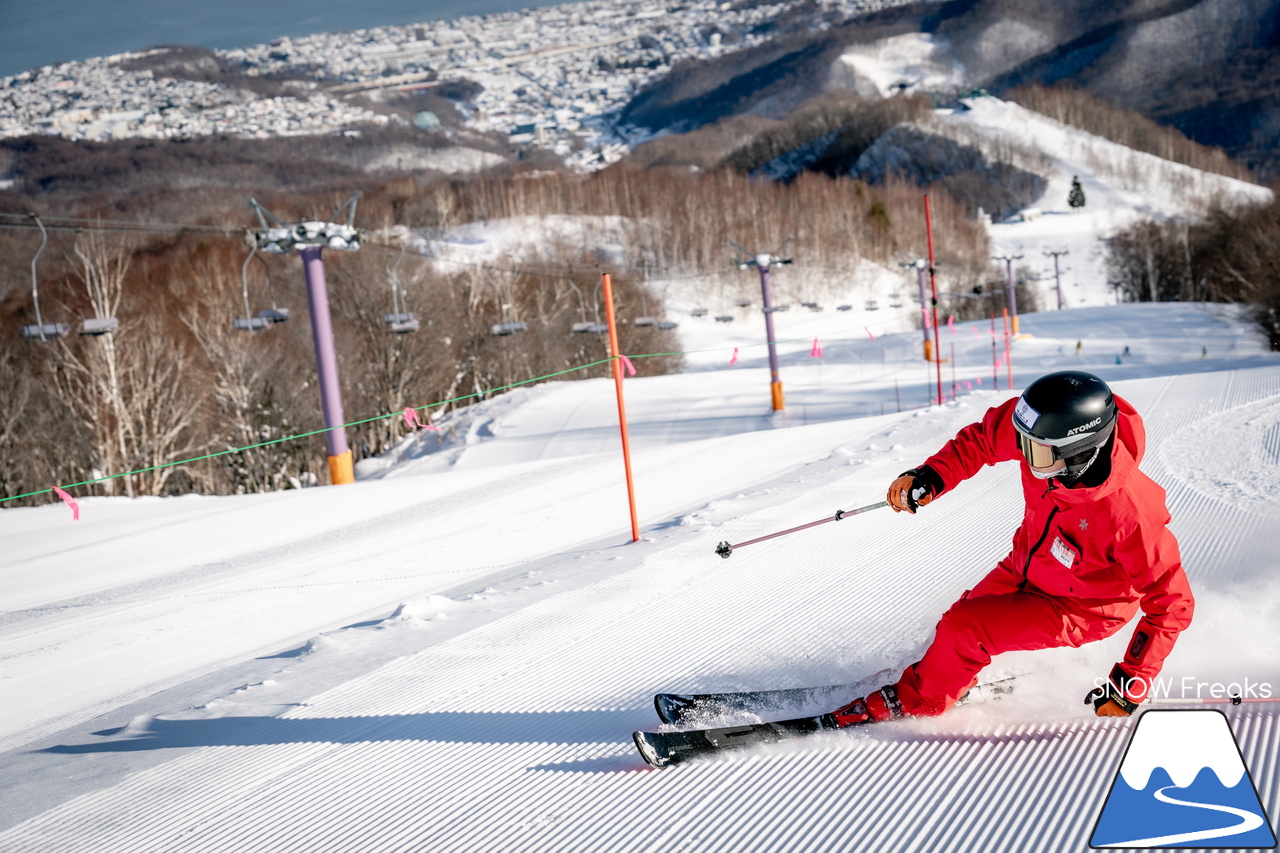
(711, 709)
(693, 708)
(681, 708)
(661, 749)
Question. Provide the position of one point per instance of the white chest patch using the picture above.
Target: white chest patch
(1063, 552)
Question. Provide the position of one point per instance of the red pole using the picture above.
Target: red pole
(933, 286)
(622, 409)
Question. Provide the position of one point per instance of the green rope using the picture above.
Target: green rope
(307, 434)
(384, 417)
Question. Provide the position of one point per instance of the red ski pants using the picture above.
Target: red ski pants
(980, 626)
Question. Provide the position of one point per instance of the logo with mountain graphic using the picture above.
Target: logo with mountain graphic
(1183, 782)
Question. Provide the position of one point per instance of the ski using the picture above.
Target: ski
(661, 749)
(683, 708)
(679, 708)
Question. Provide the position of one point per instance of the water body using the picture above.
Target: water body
(42, 32)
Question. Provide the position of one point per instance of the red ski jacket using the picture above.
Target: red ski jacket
(1103, 551)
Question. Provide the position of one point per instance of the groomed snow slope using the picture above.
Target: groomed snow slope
(483, 638)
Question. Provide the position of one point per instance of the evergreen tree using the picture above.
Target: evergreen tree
(1076, 197)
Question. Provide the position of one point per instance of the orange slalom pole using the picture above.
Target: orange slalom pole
(622, 408)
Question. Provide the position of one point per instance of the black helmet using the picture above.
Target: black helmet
(1067, 415)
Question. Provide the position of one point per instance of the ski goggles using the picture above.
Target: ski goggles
(1038, 455)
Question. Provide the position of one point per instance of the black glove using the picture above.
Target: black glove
(914, 488)
(1112, 699)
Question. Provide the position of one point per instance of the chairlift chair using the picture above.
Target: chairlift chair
(99, 325)
(585, 326)
(508, 326)
(698, 312)
(775, 308)
(401, 324)
(844, 307)
(644, 321)
(265, 319)
(94, 325)
(40, 330)
(873, 305)
(44, 331)
(724, 318)
(399, 321)
(667, 325)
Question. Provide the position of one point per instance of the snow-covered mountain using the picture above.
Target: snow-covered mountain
(452, 653)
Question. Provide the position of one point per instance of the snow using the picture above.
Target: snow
(1121, 187)
(909, 62)
(452, 653)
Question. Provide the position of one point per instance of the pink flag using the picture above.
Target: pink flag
(968, 386)
(975, 332)
(626, 362)
(66, 498)
(951, 323)
(927, 325)
(734, 360)
(873, 337)
(411, 418)
(816, 351)
(979, 380)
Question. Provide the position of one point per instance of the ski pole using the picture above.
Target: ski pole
(724, 549)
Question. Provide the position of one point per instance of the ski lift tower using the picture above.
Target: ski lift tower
(1012, 288)
(309, 238)
(763, 262)
(920, 265)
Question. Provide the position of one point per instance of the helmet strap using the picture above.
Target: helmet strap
(1074, 477)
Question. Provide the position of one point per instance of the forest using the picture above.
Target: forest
(152, 234)
(177, 382)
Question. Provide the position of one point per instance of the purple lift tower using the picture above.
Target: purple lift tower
(763, 262)
(309, 238)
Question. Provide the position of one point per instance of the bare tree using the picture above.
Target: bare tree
(131, 389)
(254, 387)
(89, 376)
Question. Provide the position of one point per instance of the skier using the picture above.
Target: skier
(1092, 549)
